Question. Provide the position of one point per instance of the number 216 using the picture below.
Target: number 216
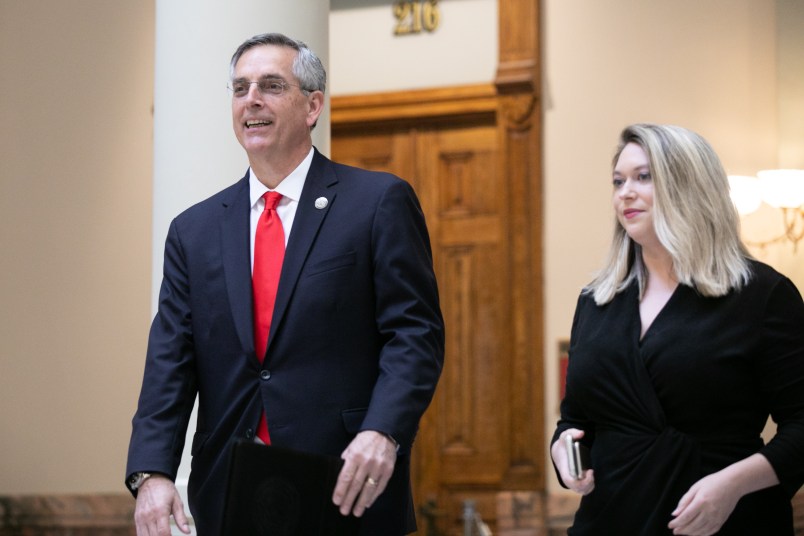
(413, 16)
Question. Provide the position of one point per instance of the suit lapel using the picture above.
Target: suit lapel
(236, 251)
(319, 183)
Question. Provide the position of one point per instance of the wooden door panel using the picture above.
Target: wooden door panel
(463, 428)
(462, 451)
(379, 151)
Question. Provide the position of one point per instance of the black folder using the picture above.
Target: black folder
(278, 492)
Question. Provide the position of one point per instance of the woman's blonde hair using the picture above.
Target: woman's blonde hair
(693, 216)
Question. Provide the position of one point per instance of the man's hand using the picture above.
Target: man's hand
(369, 463)
(157, 499)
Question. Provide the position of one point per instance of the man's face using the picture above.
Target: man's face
(268, 125)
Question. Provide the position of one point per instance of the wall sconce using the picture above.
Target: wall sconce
(782, 189)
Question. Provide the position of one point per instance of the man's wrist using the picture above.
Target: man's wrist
(136, 480)
(392, 440)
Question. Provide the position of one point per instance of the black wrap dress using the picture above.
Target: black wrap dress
(688, 399)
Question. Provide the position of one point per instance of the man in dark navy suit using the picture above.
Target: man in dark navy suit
(356, 339)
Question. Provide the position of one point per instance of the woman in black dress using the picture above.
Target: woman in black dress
(680, 349)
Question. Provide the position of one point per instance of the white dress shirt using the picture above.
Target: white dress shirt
(290, 187)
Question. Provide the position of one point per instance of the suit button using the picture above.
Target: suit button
(249, 433)
(265, 374)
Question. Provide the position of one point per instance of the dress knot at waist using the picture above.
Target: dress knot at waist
(638, 470)
(715, 438)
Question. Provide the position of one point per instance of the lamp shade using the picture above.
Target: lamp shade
(745, 193)
(782, 187)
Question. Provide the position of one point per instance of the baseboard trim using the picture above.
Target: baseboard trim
(63, 515)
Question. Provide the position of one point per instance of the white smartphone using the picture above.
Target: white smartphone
(577, 457)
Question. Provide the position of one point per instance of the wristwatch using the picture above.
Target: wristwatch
(137, 479)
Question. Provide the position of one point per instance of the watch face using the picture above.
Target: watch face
(137, 479)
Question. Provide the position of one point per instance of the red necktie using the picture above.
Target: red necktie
(269, 251)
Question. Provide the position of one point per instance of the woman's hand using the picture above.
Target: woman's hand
(705, 507)
(583, 486)
(711, 500)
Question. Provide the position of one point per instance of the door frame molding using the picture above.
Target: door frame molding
(355, 112)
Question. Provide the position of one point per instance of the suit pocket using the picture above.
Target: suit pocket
(353, 419)
(333, 263)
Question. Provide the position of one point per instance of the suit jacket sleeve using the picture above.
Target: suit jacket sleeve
(408, 316)
(169, 384)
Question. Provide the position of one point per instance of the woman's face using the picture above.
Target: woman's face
(633, 195)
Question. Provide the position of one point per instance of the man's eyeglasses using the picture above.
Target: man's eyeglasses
(267, 86)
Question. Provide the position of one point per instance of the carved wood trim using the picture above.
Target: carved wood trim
(518, 83)
(519, 56)
(420, 105)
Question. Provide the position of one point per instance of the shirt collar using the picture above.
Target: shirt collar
(290, 187)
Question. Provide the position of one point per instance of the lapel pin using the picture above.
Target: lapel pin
(321, 202)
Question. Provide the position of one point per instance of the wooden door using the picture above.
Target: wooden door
(464, 447)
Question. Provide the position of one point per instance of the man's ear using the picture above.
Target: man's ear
(315, 103)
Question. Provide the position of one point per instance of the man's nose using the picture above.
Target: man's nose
(254, 95)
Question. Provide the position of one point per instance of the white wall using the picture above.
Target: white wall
(366, 57)
(75, 220)
(767, 223)
(790, 38)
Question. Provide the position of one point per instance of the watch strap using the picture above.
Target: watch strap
(137, 479)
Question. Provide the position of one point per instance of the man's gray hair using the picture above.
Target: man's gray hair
(307, 68)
